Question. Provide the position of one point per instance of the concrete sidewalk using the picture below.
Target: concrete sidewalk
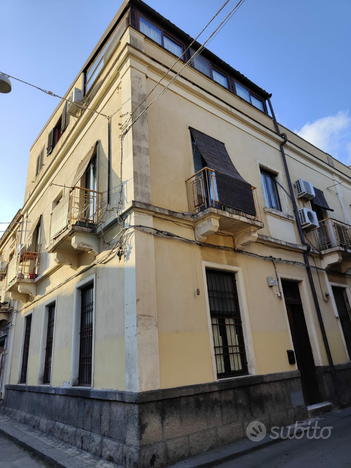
(46, 448)
(12, 456)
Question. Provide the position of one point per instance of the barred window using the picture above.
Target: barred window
(86, 336)
(228, 339)
(24, 368)
(49, 343)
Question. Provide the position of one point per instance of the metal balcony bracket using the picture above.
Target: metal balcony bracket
(27, 288)
(66, 258)
(206, 228)
(86, 243)
(245, 237)
(331, 259)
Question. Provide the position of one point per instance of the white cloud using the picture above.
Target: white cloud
(331, 134)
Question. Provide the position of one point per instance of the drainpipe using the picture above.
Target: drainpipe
(305, 256)
(108, 160)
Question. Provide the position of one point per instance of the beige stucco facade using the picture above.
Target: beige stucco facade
(151, 314)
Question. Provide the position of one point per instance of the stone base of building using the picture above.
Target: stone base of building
(327, 387)
(158, 428)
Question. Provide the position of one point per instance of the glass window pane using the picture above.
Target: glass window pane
(219, 78)
(172, 46)
(242, 92)
(270, 190)
(202, 65)
(257, 103)
(150, 30)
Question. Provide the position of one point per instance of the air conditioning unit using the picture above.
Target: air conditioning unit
(304, 189)
(308, 218)
(75, 97)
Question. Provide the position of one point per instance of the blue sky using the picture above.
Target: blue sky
(298, 50)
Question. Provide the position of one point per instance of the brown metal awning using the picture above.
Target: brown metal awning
(82, 166)
(319, 200)
(233, 190)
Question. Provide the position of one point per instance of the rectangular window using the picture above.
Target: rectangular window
(228, 339)
(24, 368)
(86, 336)
(270, 190)
(245, 94)
(220, 78)
(40, 162)
(157, 35)
(49, 343)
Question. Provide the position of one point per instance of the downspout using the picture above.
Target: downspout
(305, 256)
(108, 161)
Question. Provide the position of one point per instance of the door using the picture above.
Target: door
(301, 341)
(343, 306)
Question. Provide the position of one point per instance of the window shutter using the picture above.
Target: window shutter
(64, 118)
(50, 143)
(38, 166)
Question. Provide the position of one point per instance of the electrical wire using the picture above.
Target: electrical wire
(126, 128)
(179, 58)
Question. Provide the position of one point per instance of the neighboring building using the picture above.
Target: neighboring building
(161, 273)
(8, 242)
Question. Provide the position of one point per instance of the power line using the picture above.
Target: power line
(178, 59)
(189, 62)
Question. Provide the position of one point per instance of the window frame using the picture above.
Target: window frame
(251, 94)
(245, 319)
(163, 33)
(43, 341)
(24, 356)
(273, 176)
(74, 378)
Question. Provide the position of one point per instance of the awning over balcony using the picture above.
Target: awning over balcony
(82, 166)
(233, 190)
(319, 200)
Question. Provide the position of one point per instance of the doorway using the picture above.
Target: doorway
(343, 306)
(301, 341)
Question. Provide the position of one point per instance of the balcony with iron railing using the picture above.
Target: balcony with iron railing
(211, 213)
(73, 224)
(22, 271)
(334, 239)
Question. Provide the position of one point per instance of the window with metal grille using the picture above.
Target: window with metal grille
(28, 325)
(228, 339)
(86, 336)
(49, 342)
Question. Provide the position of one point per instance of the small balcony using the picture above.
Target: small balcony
(21, 274)
(73, 225)
(213, 213)
(334, 241)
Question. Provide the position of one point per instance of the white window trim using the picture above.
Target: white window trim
(76, 331)
(283, 198)
(311, 321)
(43, 337)
(331, 295)
(244, 313)
(22, 346)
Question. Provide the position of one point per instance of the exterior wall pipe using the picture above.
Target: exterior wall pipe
(305, 256)
(108, 160)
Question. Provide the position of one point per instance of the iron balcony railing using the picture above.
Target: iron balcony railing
(80, 206)
(202, 193)
(333, 233)
(24, 266)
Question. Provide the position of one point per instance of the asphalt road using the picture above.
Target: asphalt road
(334, 451)
(12, 456)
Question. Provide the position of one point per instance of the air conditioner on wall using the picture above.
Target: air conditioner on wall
(304, 189)
(308, 218)
(75, 97)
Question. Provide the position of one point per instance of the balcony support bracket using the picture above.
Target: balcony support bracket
(331, 259)
(245, 237)
(67, 258)
(86, 243)
(345, 265)
(16, 296)
(27, 289)
(206, 228)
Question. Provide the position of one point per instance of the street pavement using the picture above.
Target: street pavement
(12, 456)
(305, 452)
